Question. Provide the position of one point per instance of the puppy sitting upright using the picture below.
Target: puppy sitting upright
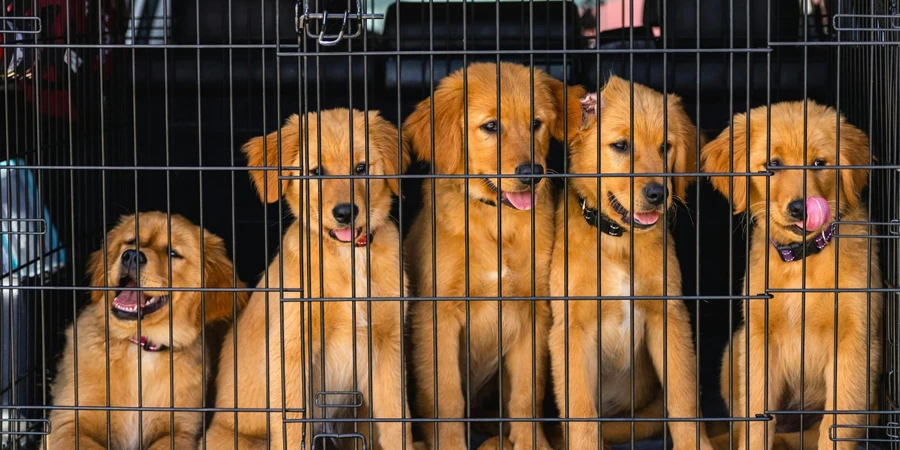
(803, 248)
(507, 226)
(628, 223)
(344, 249)
(139, 342)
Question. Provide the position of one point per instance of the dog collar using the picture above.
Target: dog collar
(365, 240)
(798, 250)
(599, 220)
(146, 345)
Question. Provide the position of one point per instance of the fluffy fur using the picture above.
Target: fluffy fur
(182, 361)
(305, 245)
(857, 332)
(517, 356)
(608, 393)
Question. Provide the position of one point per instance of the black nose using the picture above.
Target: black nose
(133, 259)
(529, 169)
(655, 193)
(796, 209)
(344, 212)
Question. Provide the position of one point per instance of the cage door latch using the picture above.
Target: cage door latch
(352, 23)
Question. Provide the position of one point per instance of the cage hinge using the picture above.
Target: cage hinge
(304, 18)
(891, 432)
(20, 25)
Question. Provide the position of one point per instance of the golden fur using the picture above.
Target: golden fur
(577, 320)
(859, 314)
(516, 238)
(298, 263)
(156, 368)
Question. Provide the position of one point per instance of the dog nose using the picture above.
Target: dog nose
(344, 213)
(133, 259)
(655, 193)
(529, 169)
(796, 209)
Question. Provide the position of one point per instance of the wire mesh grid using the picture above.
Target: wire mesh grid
(114, 108)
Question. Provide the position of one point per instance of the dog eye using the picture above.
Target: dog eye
(536, 125)
(665, 148)
(819, 162)
(174, 254)
(775, 163)
(130, 241)
(315, 172)
(490, 127)
(620, 146)
(361, 168)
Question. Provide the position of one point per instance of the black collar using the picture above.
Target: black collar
(800, 250)
(597, 219)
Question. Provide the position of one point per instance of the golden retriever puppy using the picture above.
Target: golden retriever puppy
(509, 215)
(842, 330)
(616, 225)
(144, 354)
(348, 247)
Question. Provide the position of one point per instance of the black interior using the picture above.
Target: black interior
(193, 107)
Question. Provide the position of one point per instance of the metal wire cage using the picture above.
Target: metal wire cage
(113, 108)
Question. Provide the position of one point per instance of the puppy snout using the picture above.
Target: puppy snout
(345, 213)
(796, 209)
(132, 260)
(655, 194)
(526, 172)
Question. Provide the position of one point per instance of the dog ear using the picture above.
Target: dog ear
(383, 138)
(218, 273)
(685, 137)
(569, 113)
(716, 155)
(262, 151)
(448, 123)
(854, 152)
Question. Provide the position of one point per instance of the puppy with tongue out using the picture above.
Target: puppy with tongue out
(612, 241)
(132, 279)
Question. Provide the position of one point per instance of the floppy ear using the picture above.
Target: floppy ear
(568, 105)
(854, 152)
(686, 146)
(716, 155)
(262, 151)
(383, 138)
(218, 273)
(448, 122)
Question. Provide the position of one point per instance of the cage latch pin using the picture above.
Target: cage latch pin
(348, 30)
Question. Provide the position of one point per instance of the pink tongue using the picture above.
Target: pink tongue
(344, 234)
(817, 212)
(647, 218)
(520, 200)
(131, 298)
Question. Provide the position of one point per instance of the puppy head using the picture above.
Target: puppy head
(789, 221)
(611, 150)
(333, 142)
(486, 128)
(143, 260)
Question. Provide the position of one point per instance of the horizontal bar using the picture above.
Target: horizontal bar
(528, 298)
(6, 423)
(838, 290)
(473, 176)
(546, 175)
(43, 229)
(22, 19)
(598, 51)
(832, 43)
(377, 299)
(832, 412)
(322, 396)
(320, 16)
(865, 236)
